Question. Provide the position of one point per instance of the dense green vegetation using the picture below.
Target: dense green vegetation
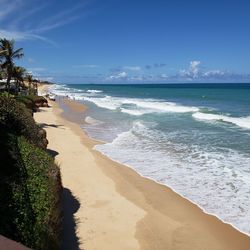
(10, 71)
(9, 54)
(32, 102)
(14, 117)
(30, 184)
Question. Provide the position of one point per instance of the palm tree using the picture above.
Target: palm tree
(18, 74)
(1, 70)
(9, 54)
(30, 81)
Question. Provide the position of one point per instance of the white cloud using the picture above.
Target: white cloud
(122, 74)
(29, 12)
(192, 72)
(7, 7)
(194, 68)
(136, 78)
(163, 76)
(19, 18)
(63, 17)
(214, 73)
(149, 78)
(19, 36)
(195, 73)
(132, 68)
(119, 76)
(16, 35)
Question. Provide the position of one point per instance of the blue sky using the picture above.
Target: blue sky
(132, 41)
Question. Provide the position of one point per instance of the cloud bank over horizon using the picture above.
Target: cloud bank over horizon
(193, 73)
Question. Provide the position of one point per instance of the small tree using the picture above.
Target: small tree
(18, 74)
(9, 54)
(30, 81)
(1, 69)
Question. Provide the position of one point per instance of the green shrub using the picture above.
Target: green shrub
(37, 99)
(30, 189)
(32, 102)
(16, 118)
(6, 94)
(16, 215)
(27, 102)
(44, 188)
(30, 184)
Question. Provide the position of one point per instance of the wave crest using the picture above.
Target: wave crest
(243, 122)
(138, 106)
(94, 91)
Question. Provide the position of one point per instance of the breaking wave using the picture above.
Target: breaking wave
(137, 107)
(243, 122)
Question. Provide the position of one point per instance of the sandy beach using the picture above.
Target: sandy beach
(110, 206)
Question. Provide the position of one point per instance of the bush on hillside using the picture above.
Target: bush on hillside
(37, 99)
(29, 104)
(44, 187)
(17, 119)
(30, 189)
(6, 94)
(30, 184)
(33, 102)
(16, 216)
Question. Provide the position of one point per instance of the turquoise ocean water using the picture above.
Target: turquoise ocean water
(194, 138)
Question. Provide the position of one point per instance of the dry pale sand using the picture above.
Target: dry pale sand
(112, 207)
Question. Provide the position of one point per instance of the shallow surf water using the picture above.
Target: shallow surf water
(193, 138)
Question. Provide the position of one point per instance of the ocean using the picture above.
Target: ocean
(194, 138)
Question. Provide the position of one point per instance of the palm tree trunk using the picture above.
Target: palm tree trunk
(9, 75)
(8, 83)
(17, 86)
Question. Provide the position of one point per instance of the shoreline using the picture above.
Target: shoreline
(98, 142)
(172, 189)
(184, 220)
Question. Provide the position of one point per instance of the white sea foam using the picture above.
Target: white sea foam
(105, 102)
(157, 106)
(217, 179)
(136, 112)
(243, 122)
(132, 106)
(62, 90)
(204, 175)
(137, 107)
(94, 91)
(92, 121)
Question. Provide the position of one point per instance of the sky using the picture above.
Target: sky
(131, 41)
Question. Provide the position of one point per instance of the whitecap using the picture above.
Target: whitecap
(243, 122)
(106, 102)
(137, 107)
(94, 91)
(92, 121)
(157, 106)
